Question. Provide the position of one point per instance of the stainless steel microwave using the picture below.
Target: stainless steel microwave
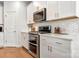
(39, 15)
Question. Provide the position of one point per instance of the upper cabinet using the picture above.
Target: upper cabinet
(77, 8)
(66, 8)
(54, 9)
(60, 9)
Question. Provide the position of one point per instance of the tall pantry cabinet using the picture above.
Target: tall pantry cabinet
(14, 22)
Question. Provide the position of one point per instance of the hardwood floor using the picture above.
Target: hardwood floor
(14, 53)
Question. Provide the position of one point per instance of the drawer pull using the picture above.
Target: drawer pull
(58, 43)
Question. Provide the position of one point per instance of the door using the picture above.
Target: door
(10, 29)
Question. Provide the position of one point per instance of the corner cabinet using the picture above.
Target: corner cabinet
(51, 47)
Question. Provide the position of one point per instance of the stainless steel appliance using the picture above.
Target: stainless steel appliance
(39, 15)
(34, 40)
(34, 46)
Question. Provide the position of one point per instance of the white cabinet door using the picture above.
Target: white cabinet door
(43, 47)
(60, 9)
(52, 10)
(51, 47)
(14, 22)
(10, 30)
(10, 24)
(66, 8)
(60, 48)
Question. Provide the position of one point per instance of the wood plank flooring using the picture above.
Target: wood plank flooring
(14, 53)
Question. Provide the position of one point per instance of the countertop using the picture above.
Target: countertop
(68, 37)
(62, 36)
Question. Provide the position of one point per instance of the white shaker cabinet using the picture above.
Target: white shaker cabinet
(66, 8)
(52, 10)
(60, 48)
(14, 23)
(60, 9)
(51, 47)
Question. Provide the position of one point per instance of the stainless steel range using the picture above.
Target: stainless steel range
(34, 40)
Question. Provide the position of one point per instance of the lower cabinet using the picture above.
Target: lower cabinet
(24, 39)
(51, 47)
(43, 47)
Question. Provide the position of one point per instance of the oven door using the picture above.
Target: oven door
(33, 49)
(33, 38)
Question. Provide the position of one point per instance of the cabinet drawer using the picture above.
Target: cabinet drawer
(61, 42)
(62, 45)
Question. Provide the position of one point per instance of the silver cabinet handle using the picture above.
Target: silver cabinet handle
(50, 48)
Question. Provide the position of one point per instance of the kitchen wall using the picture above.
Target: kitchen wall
(69, 26)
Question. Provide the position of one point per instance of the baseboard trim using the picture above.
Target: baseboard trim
(15, 46)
